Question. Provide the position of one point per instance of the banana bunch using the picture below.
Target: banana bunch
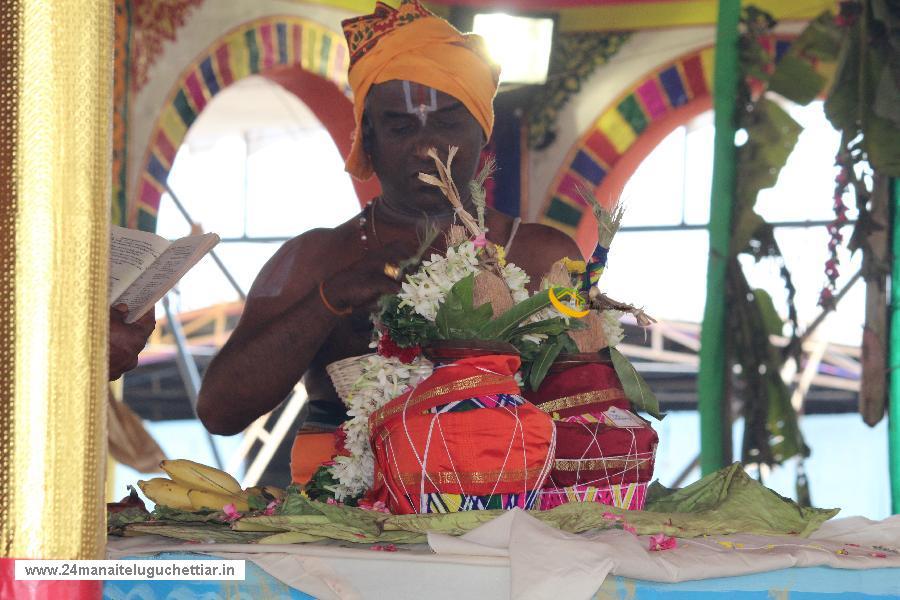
(194, 487)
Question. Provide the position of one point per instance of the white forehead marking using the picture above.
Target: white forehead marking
(421, 110)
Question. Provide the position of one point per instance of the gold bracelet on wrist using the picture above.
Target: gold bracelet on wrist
(339, 312)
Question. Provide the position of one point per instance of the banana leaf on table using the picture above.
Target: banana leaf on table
(723, 503)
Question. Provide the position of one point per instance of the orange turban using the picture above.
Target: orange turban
(410, 43)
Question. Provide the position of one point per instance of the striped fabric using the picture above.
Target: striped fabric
(487, 401)
(630, 496)
(449, 503)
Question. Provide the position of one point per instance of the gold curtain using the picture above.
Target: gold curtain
(55, 133)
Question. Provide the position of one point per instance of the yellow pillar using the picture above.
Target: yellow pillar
(55, 155)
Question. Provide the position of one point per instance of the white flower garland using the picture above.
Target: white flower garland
(612, 328)
(426, 289)
(382, 380)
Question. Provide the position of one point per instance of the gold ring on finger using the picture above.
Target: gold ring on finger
(392, 271)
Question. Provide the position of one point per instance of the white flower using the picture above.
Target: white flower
(612, 328)
(516, 279)
(519, 381)
(425, 289)
(382, 380)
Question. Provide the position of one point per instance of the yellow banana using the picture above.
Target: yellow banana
(204, 500)
(266, 491)
(166, 492)
(195, 476)
(256, 490)
(275, 492)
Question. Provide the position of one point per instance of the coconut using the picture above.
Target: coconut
(591, 339)
(490, 287)
(558, 275)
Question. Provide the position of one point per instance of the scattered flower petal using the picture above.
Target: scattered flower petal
(378, 506)
(661, 541)
(231, 512)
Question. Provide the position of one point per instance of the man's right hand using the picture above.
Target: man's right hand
(361, 284)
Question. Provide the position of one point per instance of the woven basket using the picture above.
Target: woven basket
(345, 373)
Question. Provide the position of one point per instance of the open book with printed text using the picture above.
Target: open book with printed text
(144, 266)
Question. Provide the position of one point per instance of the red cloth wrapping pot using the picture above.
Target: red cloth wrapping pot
(593, 449)
(476, 452)
(588, 388)
(602, 455)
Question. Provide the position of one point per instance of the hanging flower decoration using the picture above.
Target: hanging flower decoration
(842, 182)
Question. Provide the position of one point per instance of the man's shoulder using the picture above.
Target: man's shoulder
(550, 240)
(317, 240)
(307, 253)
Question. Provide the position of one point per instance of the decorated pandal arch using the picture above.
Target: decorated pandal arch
(623, 134)
(304, 57)
(49, 417)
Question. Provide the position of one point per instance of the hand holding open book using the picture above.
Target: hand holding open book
(144, 266)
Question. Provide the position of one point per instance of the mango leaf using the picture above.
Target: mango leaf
(503, 326)
(549, 351)
(553, 326)
(771, 320)
(457, 318)
(636, 389)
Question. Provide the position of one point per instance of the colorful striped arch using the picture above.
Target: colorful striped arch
(252, 48)
(604, 156)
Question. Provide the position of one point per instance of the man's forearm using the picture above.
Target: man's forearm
(254, 373)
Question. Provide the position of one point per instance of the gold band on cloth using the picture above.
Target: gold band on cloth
(467, 383)
(598, 464)
(56, 69)
(607, 395)
(473, 478)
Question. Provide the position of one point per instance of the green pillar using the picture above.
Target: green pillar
(894, 350)
(713, 368)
